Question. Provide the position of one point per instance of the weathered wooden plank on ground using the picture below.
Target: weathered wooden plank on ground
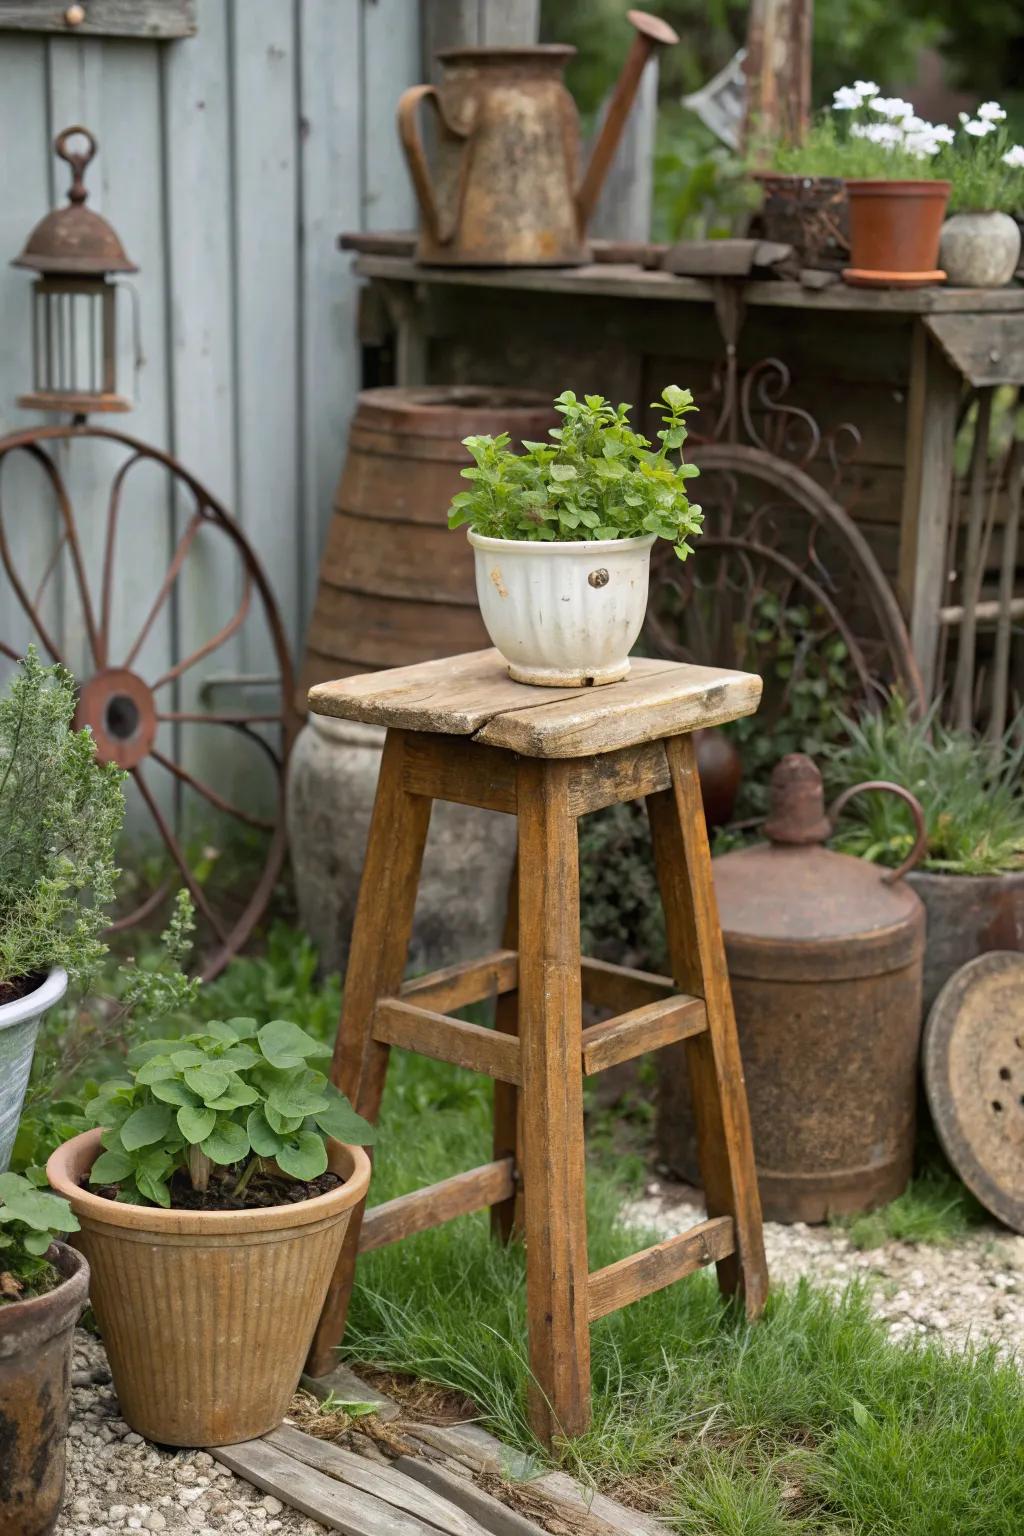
(497, 1518)
(348, 1387)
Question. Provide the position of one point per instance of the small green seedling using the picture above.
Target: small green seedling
(30, 1220)
(233, 1095)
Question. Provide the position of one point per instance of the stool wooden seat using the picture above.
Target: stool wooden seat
(460, 729)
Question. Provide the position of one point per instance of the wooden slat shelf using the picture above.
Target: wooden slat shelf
(642, 1029)
(397, 1022)
(627, 281)
(435, 1204)
(652, 1269)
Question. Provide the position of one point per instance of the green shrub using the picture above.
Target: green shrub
(971, 792)
(29, 1222)
(60, 815)
(598, 479)
(228, 1096)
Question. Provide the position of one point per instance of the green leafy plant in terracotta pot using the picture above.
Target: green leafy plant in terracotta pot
(43, 1286)
(971, 879)
(980, 245)
(890, 162)
(60, 814)
(213, 1199)
(562, 535)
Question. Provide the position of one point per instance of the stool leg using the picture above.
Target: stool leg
(506, 1216)
(377, 956)
(550, 1030)
(725, 1146)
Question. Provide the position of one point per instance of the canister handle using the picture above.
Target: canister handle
(920, 847)
(441, 229)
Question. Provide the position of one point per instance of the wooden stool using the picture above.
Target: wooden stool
(460, 729)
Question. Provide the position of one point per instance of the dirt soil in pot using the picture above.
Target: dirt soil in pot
(265, 1190)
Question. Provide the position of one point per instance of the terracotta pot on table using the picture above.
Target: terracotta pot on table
(207, 1316)
(894, 232)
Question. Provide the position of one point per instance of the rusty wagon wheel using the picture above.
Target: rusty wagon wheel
(130, 689)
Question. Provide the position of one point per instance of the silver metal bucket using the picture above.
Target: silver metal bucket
(19, 1026)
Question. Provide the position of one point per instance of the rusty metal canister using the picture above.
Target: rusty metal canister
(825, 956)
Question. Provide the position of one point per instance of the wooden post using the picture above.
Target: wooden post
(476, 24)
(778, 70)
(932, 407)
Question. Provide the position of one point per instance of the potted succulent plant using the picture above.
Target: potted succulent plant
(60, 814)
(890, 162)
(980, 244)
(213, 1199)
(562, 535)
(43, 1286)
(971, 879)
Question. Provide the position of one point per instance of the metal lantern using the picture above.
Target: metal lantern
(74, 314)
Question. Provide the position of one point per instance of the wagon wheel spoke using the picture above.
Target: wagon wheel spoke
(28, 608)
(145, 909)
(67, 517)
(51, 566)
(195, 889)
(106, 589)
(210, 794)
(213, 644)
(173, 571)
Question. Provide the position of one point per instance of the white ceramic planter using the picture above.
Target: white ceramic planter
(563, 615)
(979, 250)
(19, 1026)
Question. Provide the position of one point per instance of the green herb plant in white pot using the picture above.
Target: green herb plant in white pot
(562, 535)
(980, 242)
(60, 814)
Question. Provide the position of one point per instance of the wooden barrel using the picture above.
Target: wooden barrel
(396, 586)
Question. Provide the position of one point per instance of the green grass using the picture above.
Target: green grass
(811, 1421)
(934, 1208)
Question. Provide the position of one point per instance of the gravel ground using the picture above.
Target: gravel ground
(970, 1290)
(117, 1482)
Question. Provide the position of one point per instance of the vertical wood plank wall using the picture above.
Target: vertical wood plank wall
(228, 163)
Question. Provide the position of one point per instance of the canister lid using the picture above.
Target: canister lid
(792, 909)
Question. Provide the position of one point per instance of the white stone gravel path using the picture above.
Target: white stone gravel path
(973, 1289)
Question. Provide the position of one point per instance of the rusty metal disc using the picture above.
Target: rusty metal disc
(974, 1078)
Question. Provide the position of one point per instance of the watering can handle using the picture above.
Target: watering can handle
(419, 170)
(920, 847)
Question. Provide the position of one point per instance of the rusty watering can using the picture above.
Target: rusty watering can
(506, 189)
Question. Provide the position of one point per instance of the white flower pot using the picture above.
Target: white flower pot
(979, 250)
(19, 1026)
(563, 615)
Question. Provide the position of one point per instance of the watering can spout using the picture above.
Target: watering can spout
(651, 33)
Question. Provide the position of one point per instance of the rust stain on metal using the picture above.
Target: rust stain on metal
(75, 240)
(825, 962)
(505, 189)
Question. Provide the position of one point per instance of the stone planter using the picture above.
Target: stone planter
(966, 916)
(35, 1383)
(332, 779)
(207, 1316)
(980, 250)
(19, 1026)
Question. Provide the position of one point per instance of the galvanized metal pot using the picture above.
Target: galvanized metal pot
(825, 954)
(35, 1383)
(968, 915)
(19, 1026)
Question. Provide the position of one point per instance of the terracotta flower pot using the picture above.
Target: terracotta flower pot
(35, 1382)
(207, 1316)
(894, 232)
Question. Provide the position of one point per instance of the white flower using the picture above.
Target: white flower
(845, 99)
(942, 133)
(886, 134)
(991, 112)
(893, 107)
(923, 145)
(1014, 158)
(865, 88)
(978, 128)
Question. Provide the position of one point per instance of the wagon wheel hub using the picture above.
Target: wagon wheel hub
(120, 710)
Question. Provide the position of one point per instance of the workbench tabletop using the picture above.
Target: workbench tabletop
(473, 695)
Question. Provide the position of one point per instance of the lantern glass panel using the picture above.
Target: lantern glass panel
(74, 345)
